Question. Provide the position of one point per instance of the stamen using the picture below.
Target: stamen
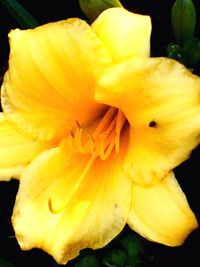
(105, 151)
(121, 119)
(52, 209)
(71, 140)
(104, 121)
(88, 146)
(105, 137)
(107, 142)
(85, 171)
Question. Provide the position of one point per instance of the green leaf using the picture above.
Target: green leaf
(191, 51)
(4, 263)
(23, 17)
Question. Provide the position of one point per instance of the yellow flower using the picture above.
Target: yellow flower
(94, 127)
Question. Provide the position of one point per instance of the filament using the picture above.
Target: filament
(104, 138)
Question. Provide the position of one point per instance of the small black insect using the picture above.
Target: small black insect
(153, 124)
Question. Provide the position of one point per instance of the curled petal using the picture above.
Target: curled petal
(161, 212)
(161, 100)
(124, 33)
(16, 150)
(69, 201)
(51, 77)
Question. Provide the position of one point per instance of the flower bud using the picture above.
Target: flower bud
(132, 246)
(93, 8)
(175, 52)
(117, 257)
(192, 51)
(183, 19)
(88, 261)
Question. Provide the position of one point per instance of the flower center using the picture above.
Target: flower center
(105, 137)
(100, 143)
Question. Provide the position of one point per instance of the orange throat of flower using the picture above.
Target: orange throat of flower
(104, 139)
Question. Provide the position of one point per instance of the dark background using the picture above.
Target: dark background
(187, 173)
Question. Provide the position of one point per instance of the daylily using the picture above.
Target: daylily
(93, 127)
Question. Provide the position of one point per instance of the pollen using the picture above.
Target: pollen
(104, 139)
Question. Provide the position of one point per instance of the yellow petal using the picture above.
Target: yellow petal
(161, 100)
(161, 212)
(124, 33)
(16, 150)
(51, 77)
(67, 202)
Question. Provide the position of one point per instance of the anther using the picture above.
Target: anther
(51, 209)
